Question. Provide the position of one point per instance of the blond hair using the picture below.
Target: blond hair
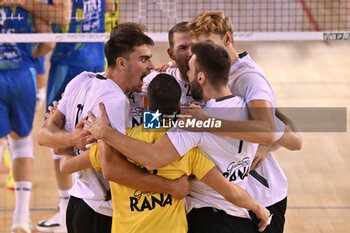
(210, 22)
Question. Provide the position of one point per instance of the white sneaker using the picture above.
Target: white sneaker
(55, 224)
(21, 225)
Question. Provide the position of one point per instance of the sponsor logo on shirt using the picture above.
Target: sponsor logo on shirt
(149, 202)
(238, 170)
(142, 201)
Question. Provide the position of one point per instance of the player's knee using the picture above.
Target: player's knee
(21, 148)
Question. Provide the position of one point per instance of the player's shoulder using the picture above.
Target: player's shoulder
(175, 72)
(77, 82)
(226, 101)
(145, 135)
(193, 155)
(134, 132)
(194, 152)
(83, 76)
(150, 76)
(82, 80)
(172, 71)
(106, 87)
(252, 78)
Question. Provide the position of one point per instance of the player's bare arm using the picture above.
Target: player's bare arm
(53, 135)
(70, 164)
(291, 138)
(59, 12)
(236, 195)
(163, 68)
(116, 168)
(110, 6)
(260, 129)
(151, 156)
(40, 49)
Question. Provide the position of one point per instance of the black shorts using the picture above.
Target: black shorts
(277, 224)
(82, 219)
(211, 220)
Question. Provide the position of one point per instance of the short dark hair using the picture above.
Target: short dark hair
(163, 93)
(214, 61)
(128, 26)
(179, 27)
(123, 43)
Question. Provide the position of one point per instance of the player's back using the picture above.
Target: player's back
(233, 157)
(268, 183)
(245, 67)
(139, 211)
(83, 94)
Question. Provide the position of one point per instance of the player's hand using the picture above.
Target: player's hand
(82, 137)
(97, 126)
(164, 67)
(181, 187)
(265, 217)
(275, 146)
(260, 155)
(192, 112)
(52, 109)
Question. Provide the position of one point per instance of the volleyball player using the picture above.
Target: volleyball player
(67, 61)
(17, 103)
(40, 82)
(128, 55)
(267, 183)
(180, 51)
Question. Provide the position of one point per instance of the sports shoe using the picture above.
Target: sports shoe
(55, 224)
(10, 184)
(21, 225)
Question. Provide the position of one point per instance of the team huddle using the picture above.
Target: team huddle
(219, 162)
(130, 179)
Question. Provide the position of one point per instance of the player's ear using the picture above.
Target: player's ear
(202, 78)
(121, 63)
(144, 102)
(171, 53)
(227, 38)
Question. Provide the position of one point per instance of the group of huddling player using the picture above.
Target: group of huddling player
(166, 180)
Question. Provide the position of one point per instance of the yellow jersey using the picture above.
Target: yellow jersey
(145, 212)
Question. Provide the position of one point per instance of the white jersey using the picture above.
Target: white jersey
(135, 99)
(232, 157)
(267, 184)
(81, 95)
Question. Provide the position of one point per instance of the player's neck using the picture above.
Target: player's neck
(214, 93)
(183, 78)
(116, 77)
(233, 53)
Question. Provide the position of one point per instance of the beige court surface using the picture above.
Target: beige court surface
(302, 74)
